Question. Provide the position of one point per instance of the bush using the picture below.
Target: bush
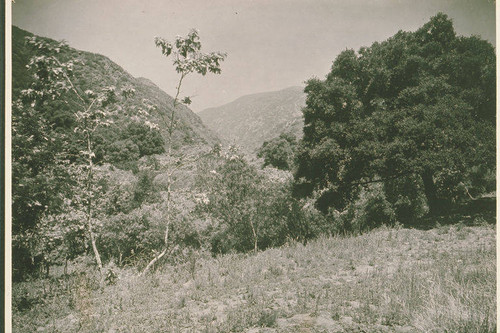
(279, 152)
(407, 198)
(149, 141)
(233, 195)
(369, 211)
(122, 151)
(252, 209)
(125, 235)
(145, 191)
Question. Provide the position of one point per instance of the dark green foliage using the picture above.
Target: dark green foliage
(125, 235)
(122, 151)
(252, 209)
(279, 152)
(60, 237)
(372, 210)
(149, 141)
(415, 112)
(232, 202)
(145, 191)
(130, 237)
(407, 198)
(39, 179)
(135, 141)
(119, 198)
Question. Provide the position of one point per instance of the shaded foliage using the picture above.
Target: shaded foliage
(279, 152)
(415, 112)
(250, 209)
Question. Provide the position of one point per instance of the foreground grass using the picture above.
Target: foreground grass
(389, 280)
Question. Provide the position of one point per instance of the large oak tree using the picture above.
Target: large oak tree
(418, 108)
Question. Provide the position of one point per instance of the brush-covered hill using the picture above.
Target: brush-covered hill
(252, 119)
(46, 149)
(95, 71)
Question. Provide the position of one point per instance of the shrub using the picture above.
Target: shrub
(125, 235)
(145, 191)
(279, 152)
(252, 209)
(369, 211)
(122, 151)
(407, 198)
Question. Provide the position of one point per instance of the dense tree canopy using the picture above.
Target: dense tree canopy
(279, 152)
(415, 112)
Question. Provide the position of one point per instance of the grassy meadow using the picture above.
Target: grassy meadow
(387, 280)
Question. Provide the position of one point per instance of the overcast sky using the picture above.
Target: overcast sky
(271, 44)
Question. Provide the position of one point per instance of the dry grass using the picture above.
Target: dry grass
(389, 280)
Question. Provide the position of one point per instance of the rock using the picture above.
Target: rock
(346, 320)
(354, 304)
(364, 269)
(297, 320)
(71, 318)
(404, 329)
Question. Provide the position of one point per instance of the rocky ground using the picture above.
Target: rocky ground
(388, 280)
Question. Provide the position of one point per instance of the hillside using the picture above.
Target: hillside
(96, 71)
(388, 280)
(46, 147)
(250, 120)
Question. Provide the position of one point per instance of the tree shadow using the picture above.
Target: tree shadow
(472, 213)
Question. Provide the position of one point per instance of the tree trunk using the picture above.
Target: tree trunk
(254, 236)
(171, 127)
(158, 257)
(89, 205)
(430, 191)
(152, 262)
(94, 246)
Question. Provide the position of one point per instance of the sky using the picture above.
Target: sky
(271, 44)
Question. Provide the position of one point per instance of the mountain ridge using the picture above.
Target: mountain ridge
(99, 71)
(251, 119)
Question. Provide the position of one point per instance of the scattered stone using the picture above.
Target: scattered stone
(297, 320)
(71, 318)
(188, 284)
(346, 320)
(364, 269)
(354, 304)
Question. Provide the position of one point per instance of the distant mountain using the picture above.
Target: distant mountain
(97, 71)
(252, 119)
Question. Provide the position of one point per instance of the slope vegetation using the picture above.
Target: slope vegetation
(45, 147)
(250, 120)
(97, 71)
